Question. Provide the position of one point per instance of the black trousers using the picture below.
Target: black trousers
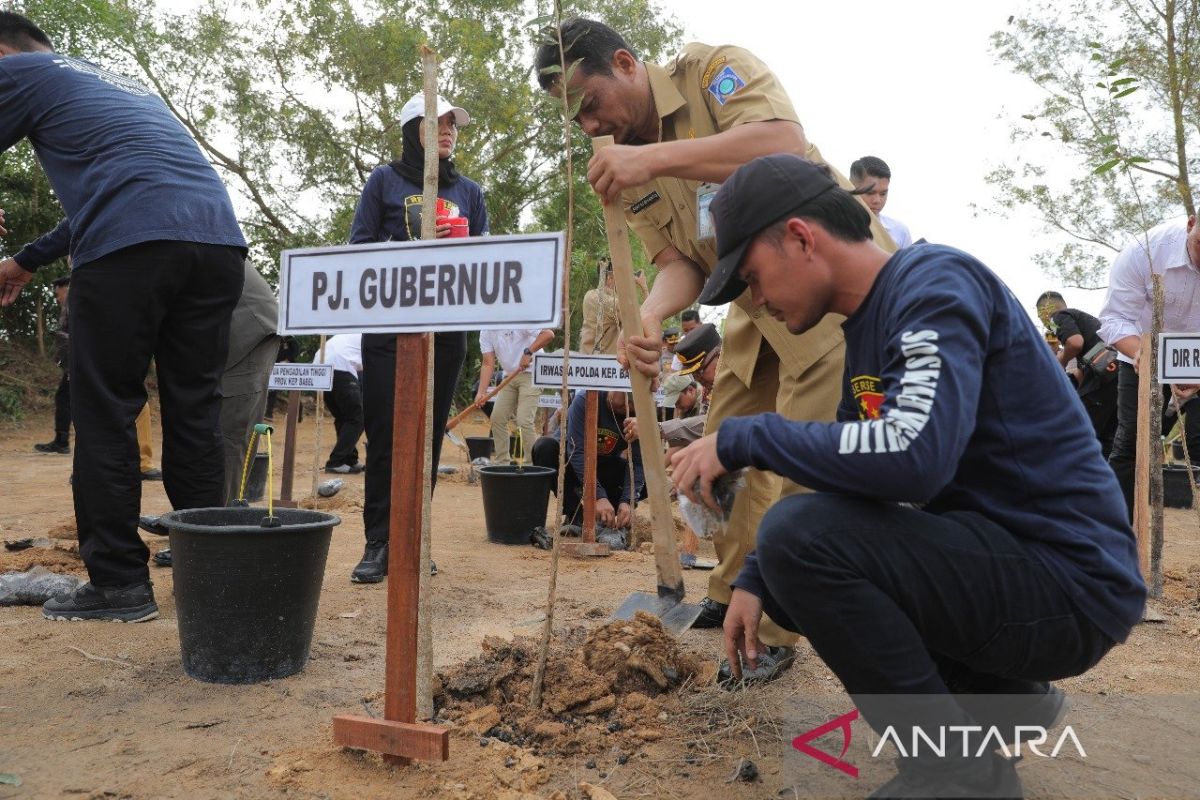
(899, 601)
(611, 472)
(378, 391)
(345, 402)
(62, 409)
(1124, 449)
(171, 301)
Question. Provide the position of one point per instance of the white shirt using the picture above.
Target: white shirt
(344, 351)
(1128, 303)
(508, 346)
(897, 229)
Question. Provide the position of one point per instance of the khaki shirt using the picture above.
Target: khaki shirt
(691, 98)
(601, 322)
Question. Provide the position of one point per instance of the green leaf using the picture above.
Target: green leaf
(1123, 81)
(1095, 45)
(1125, 93)
(553, 69)
(1120, 62)
(1106, 166)
(1137, 160)
(538, 22)
(1029, 117)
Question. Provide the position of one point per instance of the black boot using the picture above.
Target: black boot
(374, 565)
(60, 445)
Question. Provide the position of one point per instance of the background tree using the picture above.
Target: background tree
(296, 101)
(1121, 80)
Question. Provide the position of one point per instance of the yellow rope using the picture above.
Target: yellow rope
(250, 453)
(270, 483)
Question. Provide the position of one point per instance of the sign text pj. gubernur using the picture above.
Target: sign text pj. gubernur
(477, 283)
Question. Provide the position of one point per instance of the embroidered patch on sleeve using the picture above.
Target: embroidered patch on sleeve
(711, 70)
(725, 85)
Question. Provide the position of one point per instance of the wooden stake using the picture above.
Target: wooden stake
(289, 451)
(588, 547)
(409, 656)
(1141, 466)
(428, 233)
(591, 421)
(316, 469)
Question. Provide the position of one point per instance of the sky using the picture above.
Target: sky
(916, 84)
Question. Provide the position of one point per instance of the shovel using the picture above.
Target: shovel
(667, 602)
(460, 416)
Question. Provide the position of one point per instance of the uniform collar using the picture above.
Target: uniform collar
(667, 99)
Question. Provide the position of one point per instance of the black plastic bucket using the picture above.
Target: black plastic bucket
(256, 481)
(480, 447)
(1176, 492)
(514, 501)
(246, 596)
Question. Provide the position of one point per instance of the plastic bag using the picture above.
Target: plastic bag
(34, 587)
(702, 519)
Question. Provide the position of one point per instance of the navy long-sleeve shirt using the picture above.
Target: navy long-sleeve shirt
(952, 400)
(389, 209)
(610, 443)
(123, 167)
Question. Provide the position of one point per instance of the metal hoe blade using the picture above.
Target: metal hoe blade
(676, 616)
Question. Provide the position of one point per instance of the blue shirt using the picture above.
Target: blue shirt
(952, 400)
(123, 167)
(389, 209)
(610, 444)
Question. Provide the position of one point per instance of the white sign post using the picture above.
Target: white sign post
(602, 373)
(302, 377)
(1179, 358)
(471, 284)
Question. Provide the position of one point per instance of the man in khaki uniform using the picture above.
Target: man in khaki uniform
(601, 319)
(696, 119)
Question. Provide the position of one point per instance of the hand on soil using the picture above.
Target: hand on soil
(741, 631)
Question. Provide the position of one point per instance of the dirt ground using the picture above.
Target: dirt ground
(96, 710)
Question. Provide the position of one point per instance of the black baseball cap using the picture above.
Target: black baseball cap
(758, 194)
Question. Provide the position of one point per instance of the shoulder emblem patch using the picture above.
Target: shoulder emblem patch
(711, 70)
(725, 84)
(645, 202)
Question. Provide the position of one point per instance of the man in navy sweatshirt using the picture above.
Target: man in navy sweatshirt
(157, 267)
(965, 536)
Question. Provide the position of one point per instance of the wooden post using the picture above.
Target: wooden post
(320, 407)
(591, 421)
(1142, 462)
(587, 546)
(398, 735)
(289, 452)
(408, 655)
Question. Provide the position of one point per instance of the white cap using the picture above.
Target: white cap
(416, 108)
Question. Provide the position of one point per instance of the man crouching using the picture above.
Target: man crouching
(965, 536)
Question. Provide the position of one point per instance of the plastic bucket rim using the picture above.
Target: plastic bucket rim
(506, 470)
(173, 523)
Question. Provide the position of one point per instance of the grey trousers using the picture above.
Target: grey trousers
(243, 404)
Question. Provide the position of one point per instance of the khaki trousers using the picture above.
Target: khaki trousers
(809, 395)
(145, 439)
(516, 402)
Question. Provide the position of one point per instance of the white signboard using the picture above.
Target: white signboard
(1179, 358)
(550, 400)
(586, 372)
(301, 377)
(487, 282)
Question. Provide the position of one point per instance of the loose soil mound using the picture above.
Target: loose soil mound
(612, 687)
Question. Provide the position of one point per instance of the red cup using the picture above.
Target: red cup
(459, 227)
